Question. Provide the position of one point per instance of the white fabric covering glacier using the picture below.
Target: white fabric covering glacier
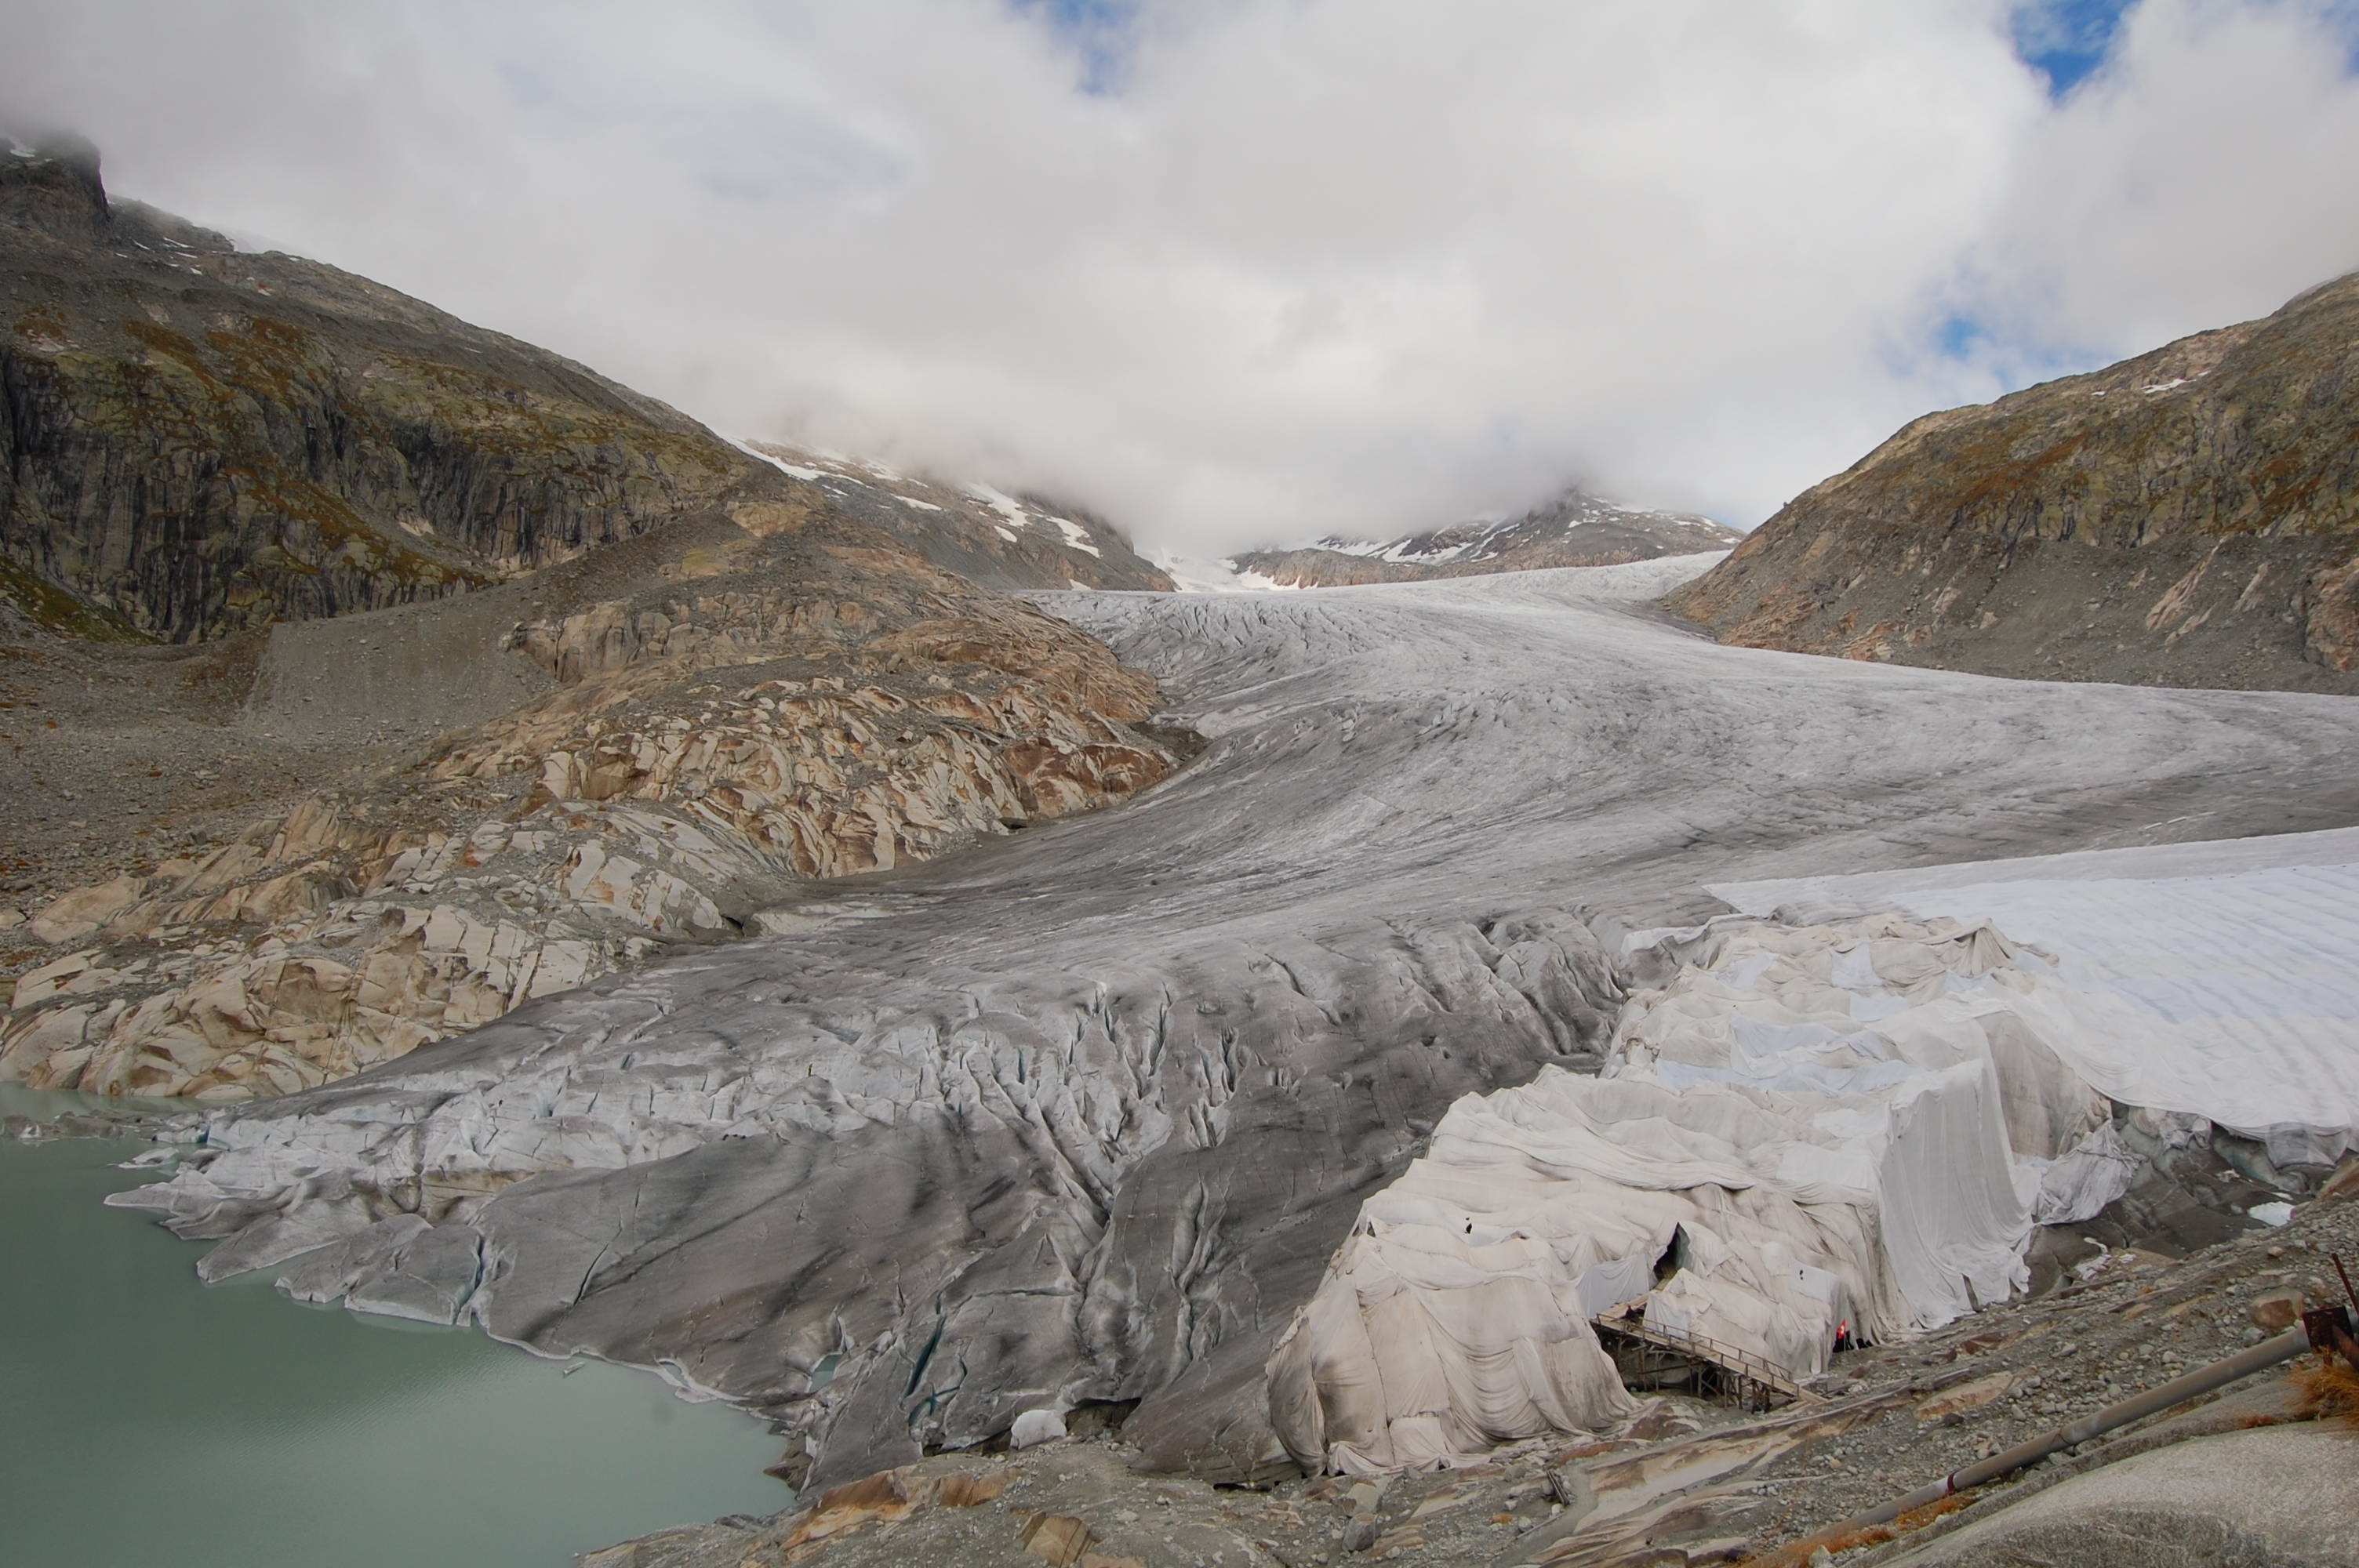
(1855, 1120)
(2217, 979)
(1811, 1127)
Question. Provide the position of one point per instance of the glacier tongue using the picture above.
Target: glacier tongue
(1851, 1124)
(1083, 1116)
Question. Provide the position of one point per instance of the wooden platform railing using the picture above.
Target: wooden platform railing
(1641, 1351)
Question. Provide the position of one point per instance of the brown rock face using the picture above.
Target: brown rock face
(2189, 517)
(772, 710)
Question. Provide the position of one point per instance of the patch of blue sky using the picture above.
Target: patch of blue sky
(2003, 359)
(1102, 34)
(2343, 17)
(2068, 40)
(1958, 334)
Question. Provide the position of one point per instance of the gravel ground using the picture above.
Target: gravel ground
(115, 756)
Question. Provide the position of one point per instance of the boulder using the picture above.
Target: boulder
(2274, 1312)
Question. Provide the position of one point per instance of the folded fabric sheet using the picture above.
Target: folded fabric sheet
(1808, 1128)
(1847, 1105)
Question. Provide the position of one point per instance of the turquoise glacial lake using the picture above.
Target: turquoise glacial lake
(148, 1419)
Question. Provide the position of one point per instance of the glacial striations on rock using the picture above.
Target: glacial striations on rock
(772, 710)
(2189, 517)
(1574, 530)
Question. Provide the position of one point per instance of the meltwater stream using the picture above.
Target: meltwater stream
(145, 1418)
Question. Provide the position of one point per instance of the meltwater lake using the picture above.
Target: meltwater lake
(148, 1419)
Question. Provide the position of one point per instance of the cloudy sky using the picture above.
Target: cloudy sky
(1239, 271)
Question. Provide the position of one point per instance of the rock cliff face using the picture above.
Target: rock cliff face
(196, 440)
(1573, 530)
(985, 536)
(2189, 517)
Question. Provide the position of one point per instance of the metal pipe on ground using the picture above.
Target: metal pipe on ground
(2326, 1330)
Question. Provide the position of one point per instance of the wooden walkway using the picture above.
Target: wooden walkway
(1648, 1357)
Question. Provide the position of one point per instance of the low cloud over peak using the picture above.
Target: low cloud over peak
(1266, 269)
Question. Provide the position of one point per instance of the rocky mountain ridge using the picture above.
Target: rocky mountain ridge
(1576, 529)
(2187, 517)
(203, 440)
(985, 535)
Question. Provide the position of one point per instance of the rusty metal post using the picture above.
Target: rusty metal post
(2329, 1328)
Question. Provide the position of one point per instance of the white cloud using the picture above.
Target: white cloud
(1319, 264)
(2203, 177)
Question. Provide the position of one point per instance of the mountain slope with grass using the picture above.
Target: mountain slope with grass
(2189, 517)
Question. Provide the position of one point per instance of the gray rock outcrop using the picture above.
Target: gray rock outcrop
(2276, 1497)
(707, 748)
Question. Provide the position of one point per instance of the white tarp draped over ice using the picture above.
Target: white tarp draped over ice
(2216, 979)
(1808, 1126)
(1854, 1112)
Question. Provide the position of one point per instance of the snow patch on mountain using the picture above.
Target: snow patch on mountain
(1576, 529)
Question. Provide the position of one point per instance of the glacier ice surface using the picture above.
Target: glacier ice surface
(1083, 1115)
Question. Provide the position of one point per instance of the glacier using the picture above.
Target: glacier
(1083, 1115)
